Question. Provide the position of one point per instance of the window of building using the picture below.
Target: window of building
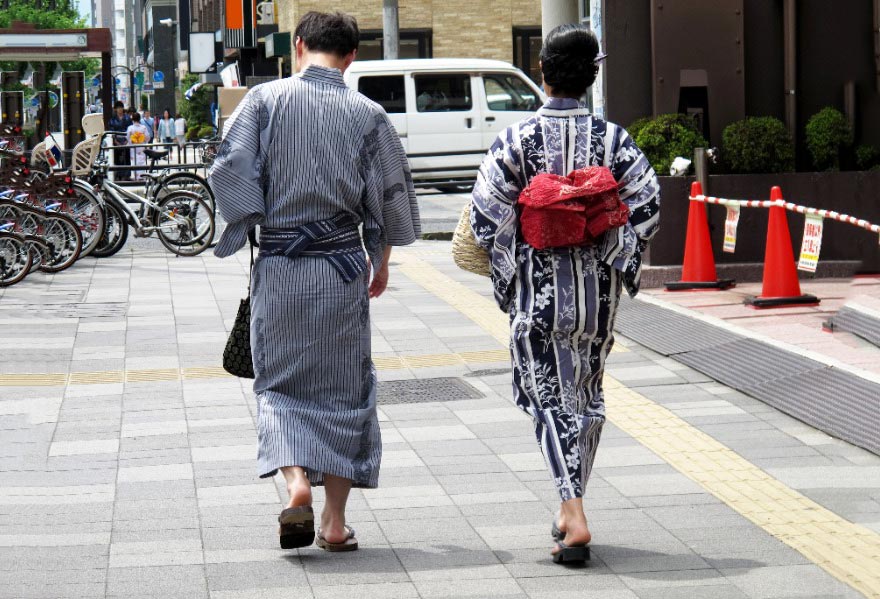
(386, 90)
(527, 51)
(414, 43)
(509, 92)
(443, 93)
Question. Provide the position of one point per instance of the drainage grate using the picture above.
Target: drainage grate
(672, 334)
(839, 403)
(426, 390)
(858, 323)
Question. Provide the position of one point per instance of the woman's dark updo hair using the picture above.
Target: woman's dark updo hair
(568, 60)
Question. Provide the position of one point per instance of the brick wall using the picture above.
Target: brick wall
(461, 28)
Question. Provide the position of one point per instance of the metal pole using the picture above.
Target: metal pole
(390, 30)
(849, 103)
(557, 12)
(701, 168)
(789, 24)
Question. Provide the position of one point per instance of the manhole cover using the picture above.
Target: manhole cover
(426, 390)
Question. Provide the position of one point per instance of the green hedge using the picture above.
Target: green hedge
(665, 137)
(828, 135)
(758, 145)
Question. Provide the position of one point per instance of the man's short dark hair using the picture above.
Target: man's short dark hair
(333, 33)
(118, 104)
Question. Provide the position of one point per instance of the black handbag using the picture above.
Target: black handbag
(237, 358)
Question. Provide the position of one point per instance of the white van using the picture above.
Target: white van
(447, 111)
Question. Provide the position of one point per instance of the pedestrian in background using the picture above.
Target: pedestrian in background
(149, 122)
(312, 161)
(562, 300)
(138, 134)
(120, 122)
(165, 128)
(180, 131)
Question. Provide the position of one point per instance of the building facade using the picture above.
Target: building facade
(508, 30)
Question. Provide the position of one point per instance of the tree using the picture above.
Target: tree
(197, 110)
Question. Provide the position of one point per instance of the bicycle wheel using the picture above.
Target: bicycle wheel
(185, 182)
(15, 259)
(115, 232)
(87, 210)
(185, 223)
(63, 236)
(40, 251)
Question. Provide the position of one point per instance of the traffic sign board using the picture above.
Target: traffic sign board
(158, 76)
(139, 78)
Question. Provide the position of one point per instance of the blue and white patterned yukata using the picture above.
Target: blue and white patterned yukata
(298, 153)
(562, 302)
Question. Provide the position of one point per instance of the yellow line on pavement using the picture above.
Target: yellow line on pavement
(848, 551)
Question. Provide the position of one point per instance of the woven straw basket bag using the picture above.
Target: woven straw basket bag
(465, 251)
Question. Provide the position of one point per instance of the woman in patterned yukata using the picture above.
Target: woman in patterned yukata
(312, 162)
(562, 301)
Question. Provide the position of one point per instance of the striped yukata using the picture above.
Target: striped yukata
(562, 302)
(300, 156)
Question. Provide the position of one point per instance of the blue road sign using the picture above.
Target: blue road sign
(96, 82)
(158, 76)
(117, 81)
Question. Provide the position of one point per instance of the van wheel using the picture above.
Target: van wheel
(455, 188)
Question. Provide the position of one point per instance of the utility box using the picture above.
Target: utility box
(228, 99)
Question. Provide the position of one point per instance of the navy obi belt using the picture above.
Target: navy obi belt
(335, 239)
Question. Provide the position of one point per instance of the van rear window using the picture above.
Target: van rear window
(386, 90)
(443, 93)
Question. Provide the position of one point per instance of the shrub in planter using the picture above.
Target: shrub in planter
(668, 136)
(206, 131)
(192, 133)
(637, 125)
(867, 157)
(828, 134)
(758, 145)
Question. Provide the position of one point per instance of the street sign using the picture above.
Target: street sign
(158, 76)
(117, 80)
(158, 85)
(96, 82)
(53, 99)
(139, 78)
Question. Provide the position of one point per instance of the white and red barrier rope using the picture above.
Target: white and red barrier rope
(844, 218)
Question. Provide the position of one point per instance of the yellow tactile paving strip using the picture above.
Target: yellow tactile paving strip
(56, 379)
(849, 552)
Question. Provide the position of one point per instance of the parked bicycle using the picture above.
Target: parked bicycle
(182, 220)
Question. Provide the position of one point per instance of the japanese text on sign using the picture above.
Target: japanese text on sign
(730, 224)
(811, 244)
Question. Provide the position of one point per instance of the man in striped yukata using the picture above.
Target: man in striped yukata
(314, 163)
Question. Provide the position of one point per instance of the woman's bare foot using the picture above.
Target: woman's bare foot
(573, 524)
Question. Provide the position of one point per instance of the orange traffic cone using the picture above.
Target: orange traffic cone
(698, 270)
(781, 286)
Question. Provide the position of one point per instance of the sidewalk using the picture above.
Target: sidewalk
(127, 459)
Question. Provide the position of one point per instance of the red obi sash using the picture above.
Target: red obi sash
(574, 210)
